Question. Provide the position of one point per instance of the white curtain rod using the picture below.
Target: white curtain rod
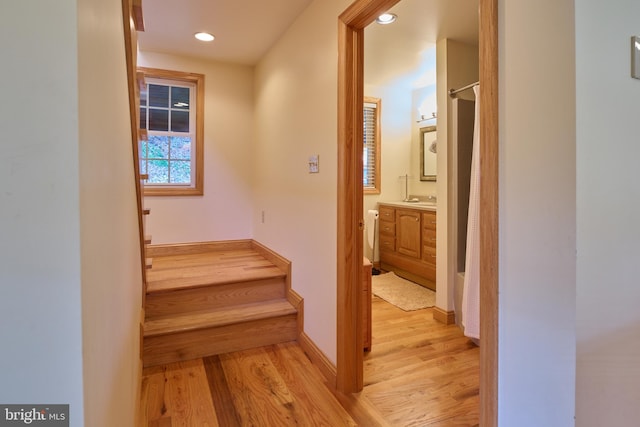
(454, 91)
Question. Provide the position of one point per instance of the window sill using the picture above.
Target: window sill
(172, 191)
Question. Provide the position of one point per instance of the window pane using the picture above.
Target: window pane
(181, 148)
(179, 121)
(158, 96)
(143, 118)
(158, 171)
(158, 119)
(180, 97)
(158, 147)
(180, 172)
(169, 115)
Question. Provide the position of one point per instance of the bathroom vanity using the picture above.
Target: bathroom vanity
(407, 239)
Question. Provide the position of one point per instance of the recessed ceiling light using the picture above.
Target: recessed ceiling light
(386, 18)
(205, 37)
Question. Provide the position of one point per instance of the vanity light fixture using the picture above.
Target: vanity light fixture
(204, 37)
(386, 18)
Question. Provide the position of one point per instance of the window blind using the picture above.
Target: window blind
(369, 155)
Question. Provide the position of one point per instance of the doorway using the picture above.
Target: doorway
(350, 212)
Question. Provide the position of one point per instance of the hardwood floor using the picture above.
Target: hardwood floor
(419, 373)
(268, 386)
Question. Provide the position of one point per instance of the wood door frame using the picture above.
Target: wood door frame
(349, 369)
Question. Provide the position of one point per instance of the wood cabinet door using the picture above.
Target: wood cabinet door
(408, 233)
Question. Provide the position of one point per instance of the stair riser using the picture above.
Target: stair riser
(171, 348)
(212, 297)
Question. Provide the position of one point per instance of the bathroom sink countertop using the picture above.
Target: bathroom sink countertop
(426, 206)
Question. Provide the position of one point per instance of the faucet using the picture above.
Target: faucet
(406, 187)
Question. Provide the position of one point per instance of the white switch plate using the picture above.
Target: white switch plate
(314, 165)
(635, 57)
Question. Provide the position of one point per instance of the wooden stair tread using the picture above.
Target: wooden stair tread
(219, 317)
(175, 272)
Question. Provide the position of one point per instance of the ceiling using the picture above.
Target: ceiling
(246, 29)
(405, 50)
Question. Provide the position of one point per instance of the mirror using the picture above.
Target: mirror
(428, 156)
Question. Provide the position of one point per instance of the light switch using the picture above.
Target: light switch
(314, 166)
(635, 57)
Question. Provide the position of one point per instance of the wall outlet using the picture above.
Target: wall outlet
(314, 164)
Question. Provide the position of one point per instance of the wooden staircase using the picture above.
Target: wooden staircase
(211, 298)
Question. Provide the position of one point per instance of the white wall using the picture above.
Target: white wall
(296, 116)
(225, 211)
(423, 99)
(110, 249)
(457, 66)
(401, 90)
(69, 251)
(395, 126)
(40, 313)
(608, 202)
(395, 148)
(537, 261)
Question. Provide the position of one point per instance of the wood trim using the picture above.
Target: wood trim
(351, 25)
(138, 18)
(349, 368)
(319, 359)
(349, 237)
(169, 191)
(197, 247)
(489, 219)
(363, 12)
(444, 316)
(281, 262)
(142, 319)
(297, 302)
(198, 80)
(285, 265)
(131, 46)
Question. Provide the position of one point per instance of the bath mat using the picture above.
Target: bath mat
(402, 293)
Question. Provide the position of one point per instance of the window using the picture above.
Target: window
(171, 112)
(371, 154)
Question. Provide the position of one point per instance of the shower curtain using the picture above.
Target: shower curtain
(471, 292)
